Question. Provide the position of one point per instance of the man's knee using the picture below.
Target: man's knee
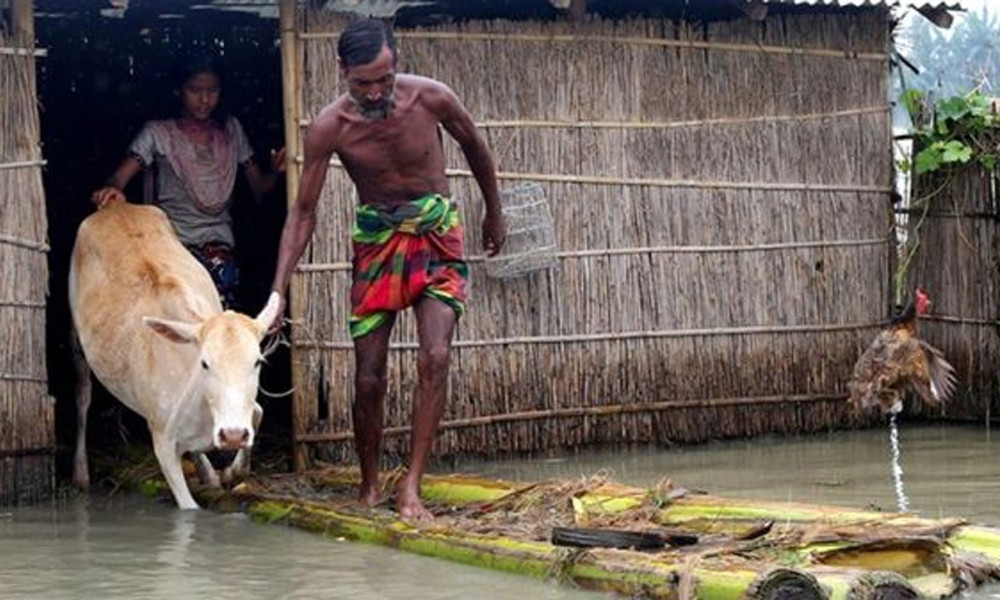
(434, 360)
(369, 386)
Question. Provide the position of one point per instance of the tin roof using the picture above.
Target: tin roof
(710, 9)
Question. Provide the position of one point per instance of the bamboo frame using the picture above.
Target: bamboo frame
(16, 51)
(961, 320)
(23, 243)
(23, 22)
(21, 377)
(28, 467)
(24, 164)
(638, 41)
(591, 411)
(290, 95)
(674, 183)
(541, 124)
(22, 304)
(346, 266)
(606, 337)
(292, 82)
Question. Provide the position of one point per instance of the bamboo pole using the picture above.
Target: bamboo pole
(291, 96)
(588, 411)
(616, 336)
(23, 243)
(23, 23)
(622, 40)
(674, 183)
(37, 53)
(603, 252)
(542, 124)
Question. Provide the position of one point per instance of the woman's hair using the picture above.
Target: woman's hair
(362, 40)
(196, 63)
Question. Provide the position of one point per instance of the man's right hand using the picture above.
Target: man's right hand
(279, 317)
(105, 195)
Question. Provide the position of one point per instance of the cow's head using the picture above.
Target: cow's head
(229, 360)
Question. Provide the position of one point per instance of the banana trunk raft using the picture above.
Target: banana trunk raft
(663, 542)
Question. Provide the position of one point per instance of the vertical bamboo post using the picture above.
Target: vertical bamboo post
(22, 17)
(291, 92)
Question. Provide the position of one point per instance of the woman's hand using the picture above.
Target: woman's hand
(106, 194)
(278, 160)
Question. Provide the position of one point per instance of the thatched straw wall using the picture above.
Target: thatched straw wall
(956, 235)
(26, 410)
(720, 197)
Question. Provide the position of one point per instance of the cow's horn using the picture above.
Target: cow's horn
(269, 313)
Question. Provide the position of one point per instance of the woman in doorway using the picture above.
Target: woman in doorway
(196, 156)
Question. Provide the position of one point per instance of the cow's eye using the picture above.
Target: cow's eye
(204, 365)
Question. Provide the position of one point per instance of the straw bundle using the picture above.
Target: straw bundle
(956, 257)
(26, 410)
(722, 223)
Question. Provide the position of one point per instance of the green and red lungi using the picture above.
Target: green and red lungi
(404, 254)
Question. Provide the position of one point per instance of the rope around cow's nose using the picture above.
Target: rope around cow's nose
(275, 341)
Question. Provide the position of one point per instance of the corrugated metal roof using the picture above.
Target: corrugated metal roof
(472, 8)
(890, 3)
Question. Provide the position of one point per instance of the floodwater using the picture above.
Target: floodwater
(132, 547)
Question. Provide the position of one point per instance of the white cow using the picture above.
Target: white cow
(151, 326)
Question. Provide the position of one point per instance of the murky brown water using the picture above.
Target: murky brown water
(130, 547)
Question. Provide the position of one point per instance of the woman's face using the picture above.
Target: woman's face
(200, 96)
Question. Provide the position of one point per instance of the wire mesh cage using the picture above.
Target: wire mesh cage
(531, 236)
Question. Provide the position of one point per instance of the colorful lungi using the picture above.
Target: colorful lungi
(220, 262)
(403, 254)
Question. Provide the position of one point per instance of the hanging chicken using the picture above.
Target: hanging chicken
(897, 361)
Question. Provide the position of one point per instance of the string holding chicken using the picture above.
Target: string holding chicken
(897, 361)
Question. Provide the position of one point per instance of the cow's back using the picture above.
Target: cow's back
(127, 264)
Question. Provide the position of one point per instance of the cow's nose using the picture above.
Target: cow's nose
(233, 437)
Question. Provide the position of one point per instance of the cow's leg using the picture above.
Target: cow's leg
(241, 464)
(170, 463)
(206, 472)
(81, 472)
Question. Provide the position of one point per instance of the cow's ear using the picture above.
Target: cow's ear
(175, 331)
(268, 314)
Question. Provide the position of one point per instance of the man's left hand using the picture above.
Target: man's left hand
(494, 233)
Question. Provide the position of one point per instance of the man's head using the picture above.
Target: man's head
(367, 54)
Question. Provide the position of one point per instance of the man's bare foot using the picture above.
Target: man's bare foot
(411, 509)
(370, 496)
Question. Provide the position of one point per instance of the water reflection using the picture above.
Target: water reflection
(950, 471)
(130, 547)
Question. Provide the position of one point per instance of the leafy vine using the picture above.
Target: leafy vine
(956, 131)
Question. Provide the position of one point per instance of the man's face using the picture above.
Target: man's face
(372, 86)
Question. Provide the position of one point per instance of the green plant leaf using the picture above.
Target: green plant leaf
(989, 161)
(911, 100)
(927, 160)
(955, 151)
(953, 108)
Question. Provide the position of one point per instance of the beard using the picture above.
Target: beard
(378, 110)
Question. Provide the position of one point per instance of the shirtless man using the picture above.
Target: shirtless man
(407, 239)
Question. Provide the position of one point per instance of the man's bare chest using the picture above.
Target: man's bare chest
(399, 144)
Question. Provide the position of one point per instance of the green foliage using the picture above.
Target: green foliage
(961, 129)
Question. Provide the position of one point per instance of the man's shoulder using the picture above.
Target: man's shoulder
(331, 114)
(419, 82)
(434, 94)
